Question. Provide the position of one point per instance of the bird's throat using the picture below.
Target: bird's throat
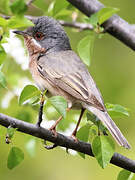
(33, 46)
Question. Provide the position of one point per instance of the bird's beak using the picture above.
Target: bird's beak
(23, 33)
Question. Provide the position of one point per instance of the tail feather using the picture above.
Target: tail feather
(111, 126)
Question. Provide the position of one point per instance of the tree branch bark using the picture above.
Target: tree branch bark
(115, 26)
(61, 140)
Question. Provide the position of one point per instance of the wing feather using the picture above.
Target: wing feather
(71, 76)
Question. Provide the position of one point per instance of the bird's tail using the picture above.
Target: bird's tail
(111, 126)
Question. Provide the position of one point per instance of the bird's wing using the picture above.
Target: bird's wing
(65, 70)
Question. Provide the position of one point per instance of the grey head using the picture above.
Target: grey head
(49, 34)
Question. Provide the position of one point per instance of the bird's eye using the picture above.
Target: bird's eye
(39, 36)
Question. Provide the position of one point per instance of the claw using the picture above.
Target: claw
(53, 130)
(74, 138)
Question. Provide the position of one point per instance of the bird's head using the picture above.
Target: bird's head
(46, 35)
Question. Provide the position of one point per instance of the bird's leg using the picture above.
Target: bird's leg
(40, 110)
(53, 127)
(73, 135)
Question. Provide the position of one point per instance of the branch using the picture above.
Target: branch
(61, 140)
(115, 26)
(77, 25)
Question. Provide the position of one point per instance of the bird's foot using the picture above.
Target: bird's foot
(53, 130)
(73, 136)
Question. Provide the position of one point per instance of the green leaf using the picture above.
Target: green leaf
(85, 48)
(41, 4)
(103, 150)
(18, 7)
(5, 35)
(19, 22)
(3, 22)
(24, 115)
(28, 92)
(63, 13)
(97, 122)
(93, 19)
(93, 133)
(83, 135)
(59, 103)
(50, 9)
(71, 7)
(101, 16)
(10, 132)
(5, 6)
(106, 13)
(2, 80)
(34, 100)
(92, 118)
(2, 54)
(116, 110)
(125, 175)
(15, 157)
(59, 5)
(31, 147)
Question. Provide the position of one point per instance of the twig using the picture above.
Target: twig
(30, 2)
(64, 141)
(115, 26)
(40, 115)
(77, 25)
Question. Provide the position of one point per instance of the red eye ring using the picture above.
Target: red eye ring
(39, 36)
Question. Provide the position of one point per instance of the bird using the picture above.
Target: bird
(56, 67)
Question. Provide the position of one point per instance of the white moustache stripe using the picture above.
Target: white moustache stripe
(36, 43)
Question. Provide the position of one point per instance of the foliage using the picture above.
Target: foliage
(125, 175)
(59, 103)
(85, 48)
(31, 147)
(12, 75)
(15, 157)
(28, 92)
(103, 150)
(2, 80)
(117, 110)
(101, 16)
(83, 135)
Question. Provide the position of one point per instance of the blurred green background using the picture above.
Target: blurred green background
(112, 67)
